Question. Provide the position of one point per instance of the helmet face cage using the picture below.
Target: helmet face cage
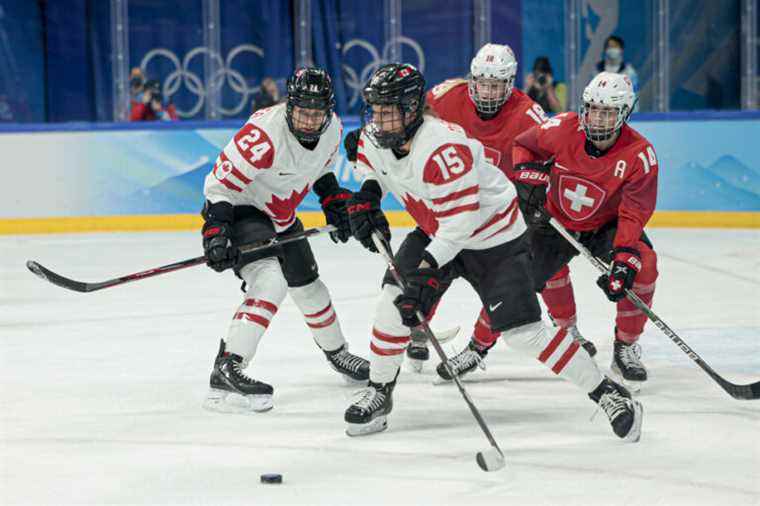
(310, 88)
(388, 128)
(489, 94)
(601, 122)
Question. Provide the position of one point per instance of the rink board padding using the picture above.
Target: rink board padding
(164, 222)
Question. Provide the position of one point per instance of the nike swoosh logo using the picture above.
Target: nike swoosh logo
(494, 307)
(561, 167)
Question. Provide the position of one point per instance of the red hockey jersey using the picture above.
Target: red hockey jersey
(586, 192)
(451, 102)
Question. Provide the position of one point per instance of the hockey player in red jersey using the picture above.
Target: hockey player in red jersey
(468, 226)
(492, 111)
(252, 194)
(601, 177)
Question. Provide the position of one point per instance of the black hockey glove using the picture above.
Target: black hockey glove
(531, 180)
(334, 207)
(626, 263)
(333, 199)
(423, 288)
(366, 216)
(217, 236)
(351, 143)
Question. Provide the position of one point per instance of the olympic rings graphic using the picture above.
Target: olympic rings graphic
(355, 81)
(195, 85)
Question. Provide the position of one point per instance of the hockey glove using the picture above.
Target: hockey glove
(531, 180)
(422, 290)
(217, 236)
(351, 143)
(626, 263)
(365, 215)
(334, 207)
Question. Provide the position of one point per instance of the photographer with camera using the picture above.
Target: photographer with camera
(152, 106)
(541, 87)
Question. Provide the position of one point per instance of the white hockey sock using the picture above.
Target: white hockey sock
(558, 351)
(266, 291)
(390, 338)
(314, 302)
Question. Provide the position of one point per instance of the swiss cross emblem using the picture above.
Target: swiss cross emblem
(578, 198)
(404, 71)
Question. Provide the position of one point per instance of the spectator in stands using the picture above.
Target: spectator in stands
(543, 89)
(612, 60)
(152, 107)
(268, 95)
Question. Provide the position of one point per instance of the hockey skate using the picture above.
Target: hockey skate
(625, 414)
(354, 369)
(627, 366)
(232, 391)
(465, 361)
(586, 344)
(368, 414)
(417, 352)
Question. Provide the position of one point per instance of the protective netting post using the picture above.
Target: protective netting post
(120, 59)
(393, 29)
(302, 13)
(572, 50)
(481, 30)
(211, 58)
(749, 42)
(661, 56)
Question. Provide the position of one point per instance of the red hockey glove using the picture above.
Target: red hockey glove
(626, 263)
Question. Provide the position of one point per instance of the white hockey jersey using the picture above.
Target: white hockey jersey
(265, 166)
(446, 183)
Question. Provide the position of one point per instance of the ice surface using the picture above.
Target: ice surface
(102, 392)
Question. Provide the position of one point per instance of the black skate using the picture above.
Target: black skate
(417, 352)
(625, 413)
(368, 413)
(232, 391)
(353, 368)
(626, 364)
(465, 361)
(585, 343)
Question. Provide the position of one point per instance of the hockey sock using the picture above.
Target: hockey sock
(390, 338)
(559, 298)
(266, 288)
(314, 302)
(558, 351)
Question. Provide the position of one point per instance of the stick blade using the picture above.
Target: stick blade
(743, 392)
(51, 277)
(490, 460)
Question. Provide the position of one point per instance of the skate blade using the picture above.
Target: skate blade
(415, 365)
(353, 382)
(633, 386)
(634, 435)
(379, 424)
(221, 401)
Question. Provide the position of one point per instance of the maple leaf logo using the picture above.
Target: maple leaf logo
(422, 214)
(283, 211)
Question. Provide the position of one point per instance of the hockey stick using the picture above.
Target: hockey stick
(743, 392)
(80, 286)
(488, 460)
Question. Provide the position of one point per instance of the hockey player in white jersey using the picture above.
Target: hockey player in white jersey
(468, 225)
(252, 194)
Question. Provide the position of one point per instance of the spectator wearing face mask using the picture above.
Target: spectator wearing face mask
(612, 60)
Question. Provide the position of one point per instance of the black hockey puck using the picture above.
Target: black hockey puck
(271, 478)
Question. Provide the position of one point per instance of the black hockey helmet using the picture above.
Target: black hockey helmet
(310, 88)
(400, 85)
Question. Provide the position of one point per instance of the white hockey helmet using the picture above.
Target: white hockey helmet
(608, 101)
(492, 77)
